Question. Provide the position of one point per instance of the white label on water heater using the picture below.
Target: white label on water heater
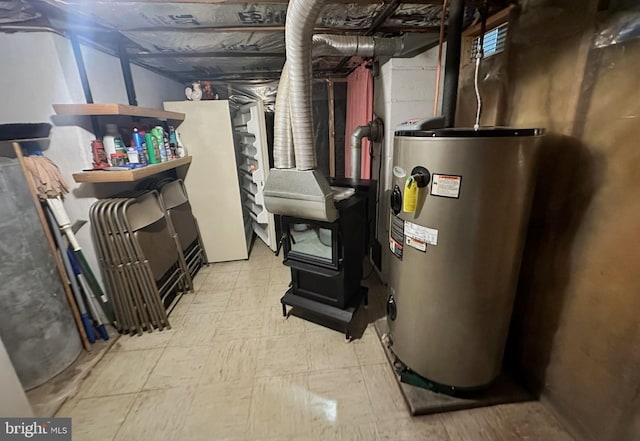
(447, 186)
(420, 233)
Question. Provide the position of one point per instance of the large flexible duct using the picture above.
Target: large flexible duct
(350, 45)
(282, 136)
(405, 46)
(301, 18)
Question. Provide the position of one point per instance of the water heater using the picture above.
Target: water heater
(460, 204)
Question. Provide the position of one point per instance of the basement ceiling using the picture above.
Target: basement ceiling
(216, 40)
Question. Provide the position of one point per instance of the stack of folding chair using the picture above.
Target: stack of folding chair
(142, 261)
(176, 203)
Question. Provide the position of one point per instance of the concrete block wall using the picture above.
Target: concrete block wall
(404, 88)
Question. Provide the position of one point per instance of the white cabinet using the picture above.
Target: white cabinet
(228, 169)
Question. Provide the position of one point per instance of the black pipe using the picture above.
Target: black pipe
(126, 74)
(84, 80)
(452, 63)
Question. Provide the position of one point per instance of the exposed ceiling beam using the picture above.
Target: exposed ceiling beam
(412, 29)
(379, 20)
(186, 77)
(219, 54)
(276, 28)
(268, 2)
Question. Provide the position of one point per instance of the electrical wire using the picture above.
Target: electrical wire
(479, 54)
(476, 126)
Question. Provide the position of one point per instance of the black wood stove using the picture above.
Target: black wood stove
(326, 258)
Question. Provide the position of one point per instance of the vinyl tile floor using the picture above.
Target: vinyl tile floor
(233, 369)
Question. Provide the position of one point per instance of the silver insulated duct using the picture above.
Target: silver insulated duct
(302, 192)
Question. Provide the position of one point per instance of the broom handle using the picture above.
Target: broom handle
(54, 253)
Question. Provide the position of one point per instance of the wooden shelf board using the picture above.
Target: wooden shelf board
(116, 109)
(19, 141)
(98, 176)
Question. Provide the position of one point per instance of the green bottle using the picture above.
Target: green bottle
(152, 148)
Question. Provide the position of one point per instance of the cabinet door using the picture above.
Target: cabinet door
(250, 136)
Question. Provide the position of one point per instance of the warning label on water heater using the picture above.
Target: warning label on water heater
(447, 186)
(396, 236)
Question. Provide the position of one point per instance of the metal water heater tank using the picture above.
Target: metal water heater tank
(456, 258)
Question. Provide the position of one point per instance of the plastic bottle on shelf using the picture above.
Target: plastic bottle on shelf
(109, 143)
(112, 141)
(167, 146)
(182, 150)
(153, 149)
(173, 142)
(158, 134)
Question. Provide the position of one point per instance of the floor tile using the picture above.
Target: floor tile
(339, 397)
(196, 330)
(423, 428)
(384, 391)
(240, 324)
(247, 279)
(532, 421)
(178, 367)
(224, 281)
(209, 301)
(279, 275)
(347, 432)
(219, 412)
(257, 263)
(477, 424)
(260, 249)
(275, 293)
(282, 355)
(280, 407)
(276, 324)
(199, 279)
(254, 297)
(329, 350)
(149, 340)
(225, 267)
(98, 418)
(231, 361)
(181, 309)
(120, 373)
(369, 349)
(157, 415)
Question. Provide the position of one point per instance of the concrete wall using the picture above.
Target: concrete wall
(405, 88)
(39, 70)
(575, 332)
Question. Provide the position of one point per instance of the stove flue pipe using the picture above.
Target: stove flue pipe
(452, 62)
(373, 131)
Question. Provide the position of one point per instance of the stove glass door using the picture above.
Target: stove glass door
(313, 243)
